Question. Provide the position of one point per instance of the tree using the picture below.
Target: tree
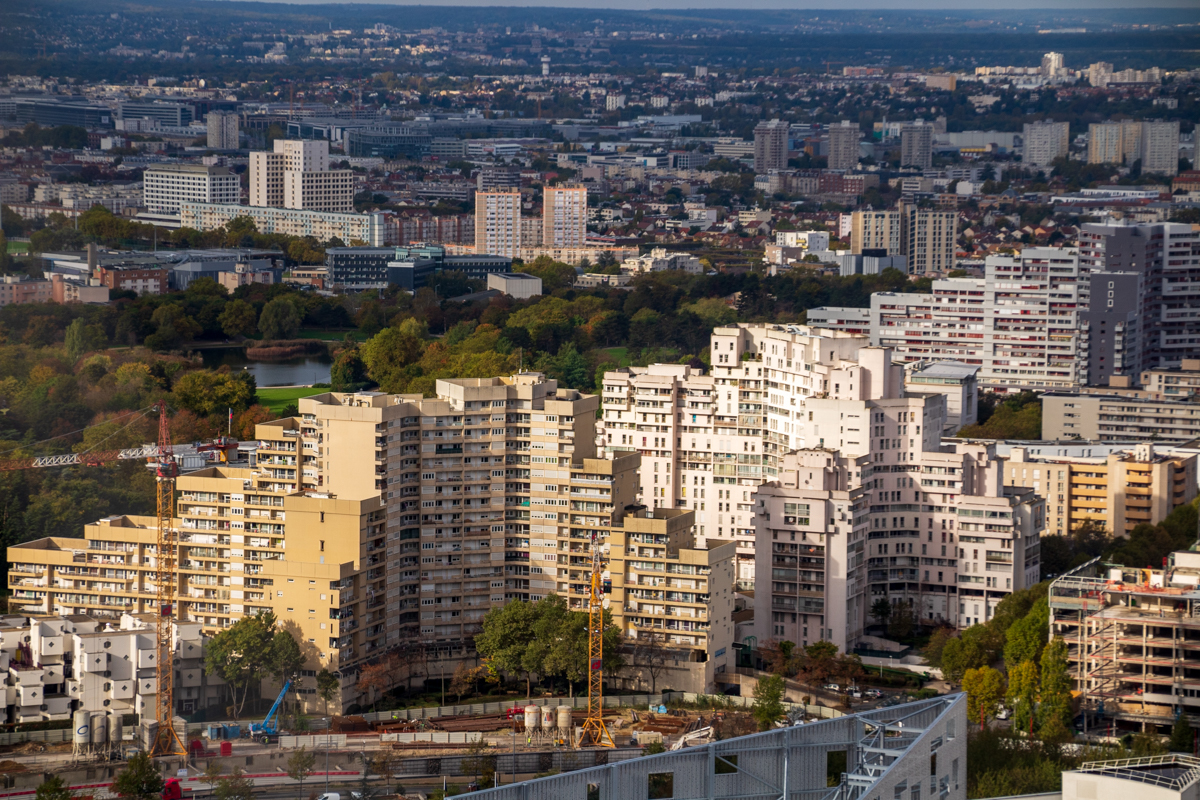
(1027, 636)
(212, 774)
(206, 393)
(82, 338)
(506, 638)
(348, 373)
(238, 319)
(650, 655)
(374, 680)
(768, 701)
(934, 651)
(881, 609)
(279, 319)
(53, 788)
(479, 764)
(140, 780)
(985, 689)
(327, 686)
(241, 655)
(235, 786)
(1055, 685)
(1182, 736)
(903, 620)
(172, 326)
(1022, 694)
(299, 766)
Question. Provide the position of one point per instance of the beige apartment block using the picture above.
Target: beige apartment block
(319, 191)
(296, 175)
(498, 223)
(668, 592)
(1117, 492)
(564, 216)
(843, 145)
(876, 230)
(1115, 417)
(1174, 384)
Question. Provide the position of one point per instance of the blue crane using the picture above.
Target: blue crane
(268, 729)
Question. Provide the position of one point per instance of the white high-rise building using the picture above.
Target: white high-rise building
(564, 216)
(1052, 64)
(498, 223)
(1021, 324)
(166, 186)
(297, 175)
(916, 145)
(843, 145)
(222, 130)
(896, 515)
(1106, 143)
(1045, 141)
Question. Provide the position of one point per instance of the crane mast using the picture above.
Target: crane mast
(166, 740)
(594, 731)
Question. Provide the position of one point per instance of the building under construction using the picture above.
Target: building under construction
(1133, 639)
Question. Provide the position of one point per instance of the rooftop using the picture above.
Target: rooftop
(1172, 771)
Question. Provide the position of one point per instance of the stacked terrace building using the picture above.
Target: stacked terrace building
(709, 443)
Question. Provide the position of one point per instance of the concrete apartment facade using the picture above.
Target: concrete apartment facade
(1110, 417)
(770, 146)
(564, 216)
(371, 229)
(296, 175)
(498, 223)
(222, 130)
(60, 665)
(916, 145)
(1117, 492)
(1044, 142)
(843, 145)
(165, 187)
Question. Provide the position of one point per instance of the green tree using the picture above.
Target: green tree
(327, 686)
(82, 338)
(934, 651)
(280, 319)
(388, 354)
(299, 766)
(53, 788)
(1027, 636)
(881, 609)
(173, 327)
(241, 655)
(140, 780)
(1022, 694)
(1183, 739)
(207, 393)
(234, 786)
(212, 774)
(238, 319)
(985, 689)
(1055, 689)
(506, 638)
(768, 701)
(348, 373)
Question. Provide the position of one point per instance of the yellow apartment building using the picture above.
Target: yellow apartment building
(1117, 492)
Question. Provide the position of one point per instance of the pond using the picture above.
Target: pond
(299, 371)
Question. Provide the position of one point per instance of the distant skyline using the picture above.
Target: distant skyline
(794, 5)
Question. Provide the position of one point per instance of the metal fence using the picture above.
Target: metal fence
(610, 701)
(470, 766)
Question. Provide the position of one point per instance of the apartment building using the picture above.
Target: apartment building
(564, 216)
(374, 229)
(296, 175)
(1166, 256)
(1106, 142)
(927, 240)
(1117, 492)
(1045, 141)
(668, 590)
(222, 130)
(1182, 383)
(959, 383)
(165, 187)
(1020, 324)
(1160, 147)
(890, 513)
(770, 146)
(843, 145)
(875, 230)
(1112, 417)
(60, 665)
(916, 145)
(498, 223)
(1132, 635)
(138, 278)
(17, 289)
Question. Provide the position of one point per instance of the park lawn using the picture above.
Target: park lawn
(618, 354)
(276, 397)
(18, 247)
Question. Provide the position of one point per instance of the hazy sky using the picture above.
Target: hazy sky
(844, 5)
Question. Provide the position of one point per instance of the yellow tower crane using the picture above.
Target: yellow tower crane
(594, 732)
(166, 576)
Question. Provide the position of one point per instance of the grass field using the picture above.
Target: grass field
(18, 247)
(275, 398)
(618, 354)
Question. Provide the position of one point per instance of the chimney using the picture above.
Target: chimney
(93, 257)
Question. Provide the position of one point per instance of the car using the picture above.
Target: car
(872, 694)
(1003, 713)
(330, 796)
(856, 694)
(832, 687)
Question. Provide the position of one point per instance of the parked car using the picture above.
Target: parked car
(832, 687)
(1003, 713)
(872, 694)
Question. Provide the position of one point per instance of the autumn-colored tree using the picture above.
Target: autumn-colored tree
(374, 680)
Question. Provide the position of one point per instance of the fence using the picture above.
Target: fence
(50, 737)
(512, 763)
(610, 701)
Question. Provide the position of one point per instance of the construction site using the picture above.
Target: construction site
(1133, 639)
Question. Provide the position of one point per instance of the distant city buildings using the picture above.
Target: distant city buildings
(296, 175)
(1045, 141)
(770, 146)
(1154, 143)
(165, 187)
(564, 216)
(843, 145)
(222, 130)
(916, 145)
(498, 223)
